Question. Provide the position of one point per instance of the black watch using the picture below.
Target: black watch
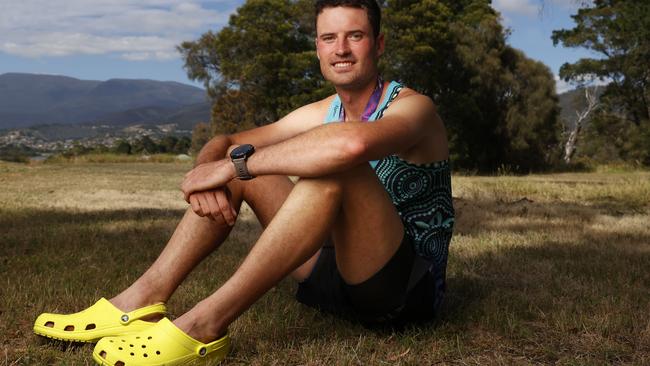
(238, 156)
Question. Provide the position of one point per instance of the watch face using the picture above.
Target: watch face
(242, 151)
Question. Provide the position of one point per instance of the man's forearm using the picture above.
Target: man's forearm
(317, 152)
(215, 149)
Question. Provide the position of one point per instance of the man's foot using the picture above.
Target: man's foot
(199, 324)
(161, 344)
(136, 296)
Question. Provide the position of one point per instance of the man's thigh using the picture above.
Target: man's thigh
(368, 230)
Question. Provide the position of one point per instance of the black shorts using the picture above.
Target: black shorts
(396, 295)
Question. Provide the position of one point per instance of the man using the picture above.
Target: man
(386, 225)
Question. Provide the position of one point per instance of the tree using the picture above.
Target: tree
(123, 147)
(259, 67)
(144, 145)
(200, 135)
(500, 107)
(167, 144)
(591, 97)
(619, 31)
(183, 145)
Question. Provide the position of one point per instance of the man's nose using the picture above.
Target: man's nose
(342, 46)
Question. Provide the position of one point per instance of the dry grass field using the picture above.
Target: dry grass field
(543, 269)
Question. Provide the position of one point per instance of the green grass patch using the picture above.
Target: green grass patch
(543, 269)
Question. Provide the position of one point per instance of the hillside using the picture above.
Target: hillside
(29, 99)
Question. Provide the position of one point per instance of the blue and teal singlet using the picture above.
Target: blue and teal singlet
(420, 192)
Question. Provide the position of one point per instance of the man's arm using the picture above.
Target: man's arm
(336, 147)
(214, 202)
(292, 124)
(330, 148)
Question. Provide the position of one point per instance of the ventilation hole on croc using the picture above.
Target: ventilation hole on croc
(143, 346)
(102, 354)
(132, 354)
(119, 363)
(157, 352)
(145, 355)
(111, 341)
(120, 348)
(49, 324)
(123, 340)
(138, 337)
(90, 326)
(69, 328)
(130, 345)
(150, 337)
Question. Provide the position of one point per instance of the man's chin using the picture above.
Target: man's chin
(344, 79)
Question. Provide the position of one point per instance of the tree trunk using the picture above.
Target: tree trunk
(572, 141)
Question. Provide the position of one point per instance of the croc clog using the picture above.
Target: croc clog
(100, 320)
(161, 344)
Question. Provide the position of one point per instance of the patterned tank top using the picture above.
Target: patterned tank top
(420, 192)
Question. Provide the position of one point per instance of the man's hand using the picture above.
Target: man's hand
(215, 204)
(208, 176)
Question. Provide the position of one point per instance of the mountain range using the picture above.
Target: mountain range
(30, 99)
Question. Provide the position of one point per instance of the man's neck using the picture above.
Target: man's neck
(355, 100)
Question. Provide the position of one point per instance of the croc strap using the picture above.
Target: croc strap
(212, 346)
(158, 308)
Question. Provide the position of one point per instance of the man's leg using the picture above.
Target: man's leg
(354, 206)
(196, 237)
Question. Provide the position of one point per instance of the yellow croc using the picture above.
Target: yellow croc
(161, 344)
(100, 320)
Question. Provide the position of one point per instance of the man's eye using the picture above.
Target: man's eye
(356, 36)
(327, 39)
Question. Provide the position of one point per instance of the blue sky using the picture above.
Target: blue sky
(136, 39)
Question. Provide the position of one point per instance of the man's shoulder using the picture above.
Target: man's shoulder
(408, 99)
(407, 92)
(309, 115)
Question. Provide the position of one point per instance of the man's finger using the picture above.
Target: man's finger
(205, 206)
(229, 197)
(224, 206)
(215, 212)
(194, 202)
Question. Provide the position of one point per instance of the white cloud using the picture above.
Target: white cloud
(131, 29)
(562, 86)
(516, 7)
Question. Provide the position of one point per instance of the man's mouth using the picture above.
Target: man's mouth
(342, 64)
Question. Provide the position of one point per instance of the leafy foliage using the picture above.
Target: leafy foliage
(200, 135)
(619, 31)
(499, 106)
(261, 66)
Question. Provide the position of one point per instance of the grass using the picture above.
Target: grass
(543, 269)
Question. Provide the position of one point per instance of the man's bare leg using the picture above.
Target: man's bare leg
(196, 237)
(314, 208)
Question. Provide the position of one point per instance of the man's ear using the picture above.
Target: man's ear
(316, 42)
(380, 44)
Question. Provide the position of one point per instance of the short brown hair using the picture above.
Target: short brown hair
(372, 9)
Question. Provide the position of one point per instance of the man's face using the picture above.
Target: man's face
(347, 48)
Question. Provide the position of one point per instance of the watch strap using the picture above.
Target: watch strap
(242, 169)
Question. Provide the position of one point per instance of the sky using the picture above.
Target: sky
(137, 39)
